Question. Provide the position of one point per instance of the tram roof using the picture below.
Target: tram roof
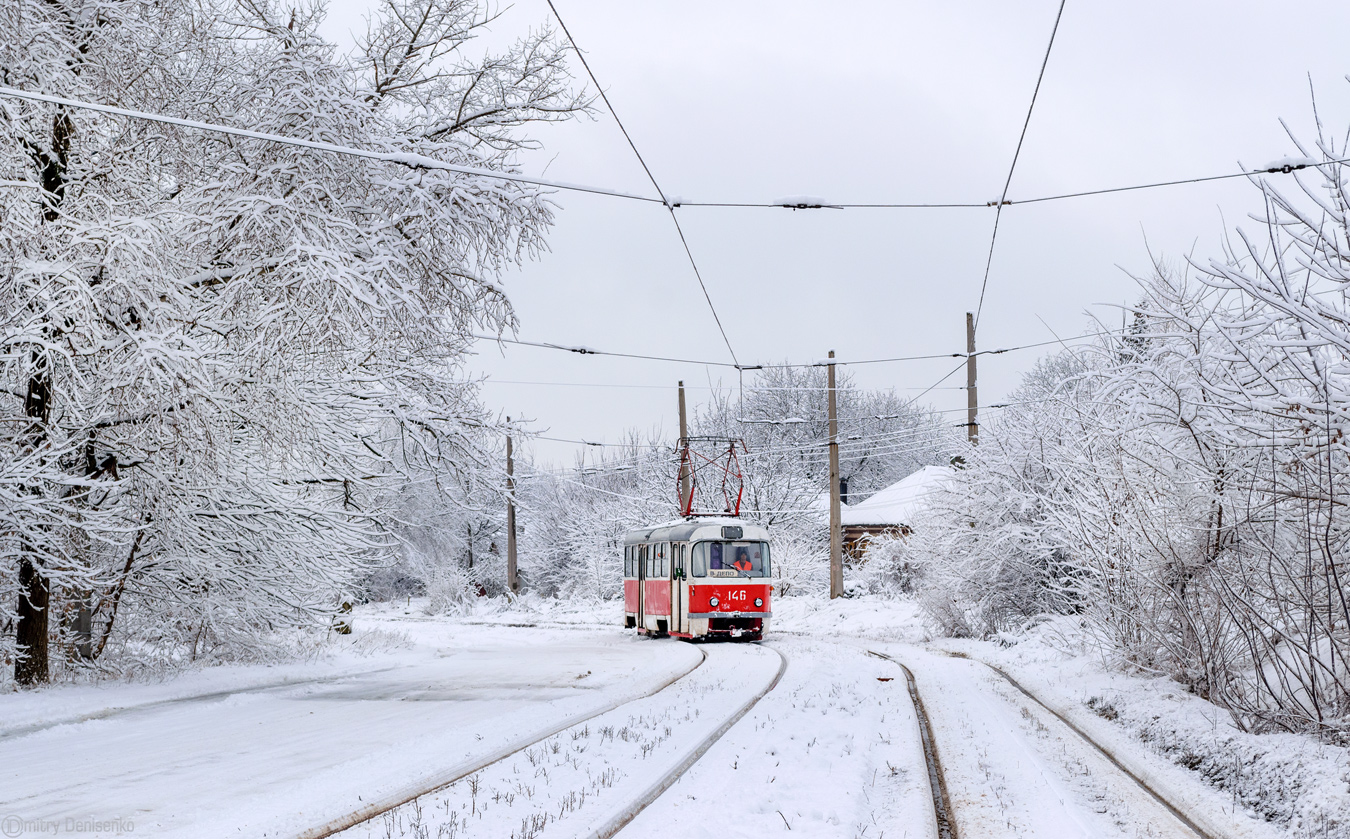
(685, 530)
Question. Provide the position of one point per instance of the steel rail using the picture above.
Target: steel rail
(440, 781)
(1106, 753)
(621, 819)
(942, 806)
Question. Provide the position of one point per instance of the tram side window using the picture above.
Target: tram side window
(665, 560)
(628, 562)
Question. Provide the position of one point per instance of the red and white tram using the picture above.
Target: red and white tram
(700, 579)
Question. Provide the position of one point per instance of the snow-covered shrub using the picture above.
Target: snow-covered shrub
(986, 553)
(885, 567)
(801, 560)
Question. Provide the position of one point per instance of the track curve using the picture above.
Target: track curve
(621, 819)
(941, 802)
(428, 786)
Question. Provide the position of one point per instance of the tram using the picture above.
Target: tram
(703, 578)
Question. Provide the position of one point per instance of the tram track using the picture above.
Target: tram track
(942, 808)
(446, 778)
(1110, 756)
(946, 828)
(649, 796)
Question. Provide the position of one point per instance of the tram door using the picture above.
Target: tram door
(642, 586)
(679, 592)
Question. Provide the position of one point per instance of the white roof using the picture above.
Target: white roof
(897, 503)
(819, 508)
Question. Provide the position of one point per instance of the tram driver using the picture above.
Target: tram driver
(742, 562)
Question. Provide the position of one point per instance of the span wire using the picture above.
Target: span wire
(420, 161)
(411, 160)
(584, 350)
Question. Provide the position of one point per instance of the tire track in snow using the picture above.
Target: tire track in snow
(446, 778)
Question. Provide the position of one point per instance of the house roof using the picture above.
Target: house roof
(898, 503)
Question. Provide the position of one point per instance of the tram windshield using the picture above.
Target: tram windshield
(731, 559)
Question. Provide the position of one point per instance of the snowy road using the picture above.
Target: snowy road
(274, 762)
(558, 729)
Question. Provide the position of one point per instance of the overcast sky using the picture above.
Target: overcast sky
(884, 102)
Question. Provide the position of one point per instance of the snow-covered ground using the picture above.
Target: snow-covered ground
(575, 708)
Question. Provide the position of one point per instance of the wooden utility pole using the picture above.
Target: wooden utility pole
(512, 581)
(836, 534)
(972, 395)
(684, 464)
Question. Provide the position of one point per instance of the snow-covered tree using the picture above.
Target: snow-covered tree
(223, 358)
(1182, 484)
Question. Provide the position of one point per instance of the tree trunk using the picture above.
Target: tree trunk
(34, 588)
(34, 599)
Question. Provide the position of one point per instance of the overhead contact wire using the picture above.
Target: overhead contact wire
(1003, 197)
(683, 241)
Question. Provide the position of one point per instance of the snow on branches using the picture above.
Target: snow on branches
(1182, 485)
(223, 358)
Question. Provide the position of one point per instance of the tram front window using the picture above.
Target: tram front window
(731, 559)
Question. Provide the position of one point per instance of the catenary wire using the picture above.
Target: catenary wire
(683, 241)
(849, 444)
(998, 210)
(580, 350)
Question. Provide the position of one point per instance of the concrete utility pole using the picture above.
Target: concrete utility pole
(972, 396)
(836, 534)
(685, 477)
(512, 581)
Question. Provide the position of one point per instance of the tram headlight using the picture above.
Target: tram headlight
(759, 601)
(713, 601)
